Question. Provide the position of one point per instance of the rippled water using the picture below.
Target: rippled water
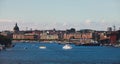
(29, 53)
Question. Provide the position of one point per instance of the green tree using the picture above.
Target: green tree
(5, 41)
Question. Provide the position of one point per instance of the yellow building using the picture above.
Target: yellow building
(18, 36)
(45, 36)
(78, 35)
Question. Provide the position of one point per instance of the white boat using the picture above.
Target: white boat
(42, 47)
(118, 45)
(67, 46)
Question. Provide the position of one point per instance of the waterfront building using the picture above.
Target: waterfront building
(46, 36)
(113, 37)
(72, 35)
(78, 37)
(60, 35)
(18, 36)
(30, 36)
(103, 36)
(25, 35)
(118, 36)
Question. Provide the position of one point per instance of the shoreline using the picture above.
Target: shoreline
(65, 42)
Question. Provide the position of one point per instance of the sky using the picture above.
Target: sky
(59, 14)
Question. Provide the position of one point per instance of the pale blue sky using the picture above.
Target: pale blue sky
(59, 14)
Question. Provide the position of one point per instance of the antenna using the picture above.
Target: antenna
(114, 27)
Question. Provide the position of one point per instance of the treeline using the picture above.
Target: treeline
(7, 42)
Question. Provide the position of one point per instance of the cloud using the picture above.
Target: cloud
(102, 21)
(88, 21)
(5, 20)
(64, 24)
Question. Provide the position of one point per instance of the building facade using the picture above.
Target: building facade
(46, 36)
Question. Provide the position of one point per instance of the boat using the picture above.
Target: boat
(67, 46)
(117, 45)
(42, 47)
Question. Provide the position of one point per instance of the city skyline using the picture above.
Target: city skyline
(59, 14)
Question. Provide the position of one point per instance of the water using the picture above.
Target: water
(30, 53)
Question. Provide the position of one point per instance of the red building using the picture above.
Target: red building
(113, 37)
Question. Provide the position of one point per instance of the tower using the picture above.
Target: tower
(109, 29)
(114, 27)
(16, 28)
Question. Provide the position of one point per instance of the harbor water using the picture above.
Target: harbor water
(30, 53)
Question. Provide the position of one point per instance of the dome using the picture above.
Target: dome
(16, 28)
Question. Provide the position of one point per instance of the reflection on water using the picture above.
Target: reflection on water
(30, 53)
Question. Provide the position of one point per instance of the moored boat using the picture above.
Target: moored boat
(67, 46)
(118, 45)
(42, 47)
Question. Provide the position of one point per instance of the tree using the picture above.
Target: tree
(5, 41)
(72, 30)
